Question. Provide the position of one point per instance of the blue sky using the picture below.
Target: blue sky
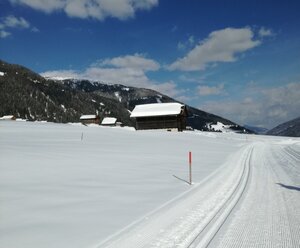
(237, 59)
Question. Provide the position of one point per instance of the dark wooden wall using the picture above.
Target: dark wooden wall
(89, 121)
(161, 122)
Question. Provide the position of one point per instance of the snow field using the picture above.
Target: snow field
(59, 191)
(114, 187)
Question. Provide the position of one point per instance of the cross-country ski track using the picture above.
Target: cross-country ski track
(253, 200)
(75, 186)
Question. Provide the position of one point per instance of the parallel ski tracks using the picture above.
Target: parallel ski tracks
(205, 216)
(270, 210)
(293, 153)
(248, 209)
(290, 161)
(289, 200)
(211, 229)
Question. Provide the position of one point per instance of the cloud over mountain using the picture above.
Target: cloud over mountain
(269, 107)
(130, 70)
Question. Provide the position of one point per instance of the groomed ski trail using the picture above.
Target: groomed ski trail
(253, 200)
(194, 216)
(269, 213)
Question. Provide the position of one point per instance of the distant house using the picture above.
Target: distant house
(8, 117)
(109, 121)
(88, 119)
(160, 116)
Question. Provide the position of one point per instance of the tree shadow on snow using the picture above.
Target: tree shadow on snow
(288, 186)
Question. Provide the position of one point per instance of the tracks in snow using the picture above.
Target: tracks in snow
(269, 213)
(194, 218)
(253, 200)
(208, 233)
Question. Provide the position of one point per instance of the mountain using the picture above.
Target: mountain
(129, 97)
(28, 95)
(290, 128)
(258, 130)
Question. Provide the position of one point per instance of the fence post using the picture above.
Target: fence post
(190, 167)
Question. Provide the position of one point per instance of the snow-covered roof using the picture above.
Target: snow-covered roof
(7, 117)
(109, 121)
(157, 109)
(87, 117)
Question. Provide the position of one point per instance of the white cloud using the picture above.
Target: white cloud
(191, 79)
(15, 22)
(264, 32)
(183, 45)
(35, 30)
(127, 76)
(43, 5)
(144, 4)
(170, 89)
(191, 40)
(220, 46)
(96, 9)
(269, 108)
(61, 74)
(4, 34)
(11, 22)
(204, 90)
(136, 61)
(129, 70)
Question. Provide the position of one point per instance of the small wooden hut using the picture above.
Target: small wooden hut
(160, 116)
(89, 119)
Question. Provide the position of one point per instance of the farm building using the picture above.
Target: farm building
(160, 116)
(88, 119)
(109, 121)
(8, 117)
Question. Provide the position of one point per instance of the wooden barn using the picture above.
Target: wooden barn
(160, 116)
(88, 119)
(109, 121)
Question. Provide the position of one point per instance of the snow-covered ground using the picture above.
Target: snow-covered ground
(65, 185)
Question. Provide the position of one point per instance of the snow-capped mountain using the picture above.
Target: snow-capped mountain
(28, 95)
(290, 128)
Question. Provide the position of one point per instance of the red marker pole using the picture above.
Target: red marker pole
(190, 166)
